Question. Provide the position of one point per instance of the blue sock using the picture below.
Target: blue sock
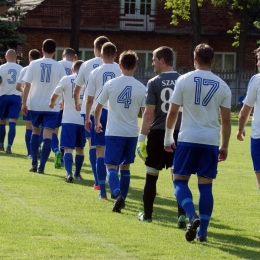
(93, 159)
(68, 161)
(124, 182)
(55, 143)
(34, 148)
(62, 153)
(11, 133)
(40, 138)
(113, 181)
(205, 207)
(102, 174)
(79, 159)
(46, 150)
(2, 133)
(184, 197)
(28, 136)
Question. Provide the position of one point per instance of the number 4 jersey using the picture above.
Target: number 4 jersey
(43, 75)
(201, 93)
(159, 91)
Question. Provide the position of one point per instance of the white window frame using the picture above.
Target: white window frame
(223, 58)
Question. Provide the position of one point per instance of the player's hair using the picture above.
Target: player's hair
(108, 49)
(128, 59)
(257, 51)
(204, 54)
(166, 53)
(98, 43)
(76, 65)
(34, 54)
(69, 51)
(49, 46)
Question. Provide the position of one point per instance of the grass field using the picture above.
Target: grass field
(43, 217)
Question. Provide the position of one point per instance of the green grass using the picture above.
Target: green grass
(43, 217)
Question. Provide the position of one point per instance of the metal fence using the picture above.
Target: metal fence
(236, 80)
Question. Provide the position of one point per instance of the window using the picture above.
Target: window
(84, 54)
(225, 61)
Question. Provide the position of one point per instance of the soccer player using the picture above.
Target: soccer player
(97, 79)
(33, 55)
(252, 100)
(125, 95)
(159, 90)
(73, 130)
(41, 78)
(203, 96)
(10, 99)
(68, 57)
(81, 81)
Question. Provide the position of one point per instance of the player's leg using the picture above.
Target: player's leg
(79, 158)
(2, 134)
(255, 154)
(11, 135)
(3, 116)
(36, 131)
(28, 135)
(55, 149)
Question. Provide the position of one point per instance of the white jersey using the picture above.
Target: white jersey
(201, 93)
(43, 75)
(252, 99)
(22, 73)
(98, 78)
(70, 114)
(125, 95)
(9, 72)
(82, 78)
(67, 66)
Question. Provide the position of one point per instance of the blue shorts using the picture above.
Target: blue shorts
(197, 159)
(255, 153)
(120, 150)
(10, 106)
(28, 117)
(44, 119)
(72, 136)
(98, 139)
(59, 118)
(87, 134)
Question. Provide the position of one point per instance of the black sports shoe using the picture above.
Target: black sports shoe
(33, 168)
(201, 239)
(119, 203)
(69, 178)
(40, 171)
(192, 228)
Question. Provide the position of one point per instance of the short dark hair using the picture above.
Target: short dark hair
(204, 54)
(49, 46)
(76, 65)
(34, 54)
(108, 49)
(98, 43)
(69, 51)
(128, 59)
(166, 53)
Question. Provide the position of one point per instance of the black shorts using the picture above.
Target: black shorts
(158, 158)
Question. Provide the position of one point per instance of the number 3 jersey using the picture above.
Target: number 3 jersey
(159, 91)
(201, 93)
(43, 75)
(9, 72)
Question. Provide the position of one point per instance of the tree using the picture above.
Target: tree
(75, 24)
(10, 20)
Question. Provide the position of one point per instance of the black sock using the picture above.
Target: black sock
(149, 195)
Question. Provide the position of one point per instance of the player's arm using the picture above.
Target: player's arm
(53, 100)
(171, 120)
(225, 132)
(97, 115)
(26, 91)
(89, 103)
(76, 95)
(19, 87)
(242, 121)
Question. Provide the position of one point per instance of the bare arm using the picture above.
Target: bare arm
(97, 115)
(19, 87)
(76, 95)
(148, 115)
(242, 121)
(89, 103)
(26, 91)
(53, 100)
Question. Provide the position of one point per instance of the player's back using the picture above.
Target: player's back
(67, 66)
(43, 75)
(201, 93)
(126, 95)
(9, 72)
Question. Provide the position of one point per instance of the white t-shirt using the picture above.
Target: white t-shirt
(67, 66)
(9, 72)
(125, 95)
(98, 78)
(83, 75)
(70, 114)
(201, 93)
(44, 75)
(252, 99)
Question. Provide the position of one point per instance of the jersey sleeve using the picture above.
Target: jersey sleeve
(28, 77)
(91, 89)
(103, 97)
(151, 95)
(60, 87)
(80, 79)
(21, 75)
(176, 97)
(251, 91)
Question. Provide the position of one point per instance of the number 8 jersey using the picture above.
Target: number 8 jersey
(201, 93)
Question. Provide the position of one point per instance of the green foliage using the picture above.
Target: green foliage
(10, 21)
(236, 32)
